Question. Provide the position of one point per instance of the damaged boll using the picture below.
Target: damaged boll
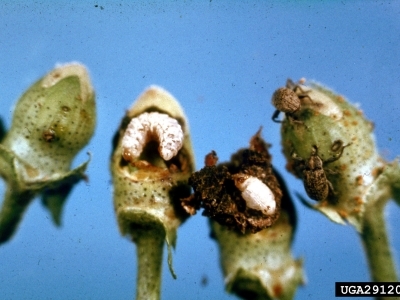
(242, 194)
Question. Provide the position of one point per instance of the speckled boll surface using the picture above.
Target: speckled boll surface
(52, 121)
(327, 121)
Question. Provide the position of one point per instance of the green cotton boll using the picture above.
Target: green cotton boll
(52, 121)
(326, 120)
(150, 173)
(144, 187)
(261, 263)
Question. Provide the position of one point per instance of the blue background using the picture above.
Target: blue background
(222, 60)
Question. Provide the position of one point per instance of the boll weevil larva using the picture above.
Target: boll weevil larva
(257, 195)
(152, 126)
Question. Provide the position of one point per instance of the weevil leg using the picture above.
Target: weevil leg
(296, 157)
(330, 187)
(332, 172)
(275, 116)
(290, 84)
(292, 121)
(332, 196)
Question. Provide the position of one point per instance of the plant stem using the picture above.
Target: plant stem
(377, 246)
(12, 210)
(374, 234)
(149, 245)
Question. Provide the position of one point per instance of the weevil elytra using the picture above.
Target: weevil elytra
(288, 100)
(315, 181)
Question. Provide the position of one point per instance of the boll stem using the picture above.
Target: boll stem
(374, 234)
(377, 247)
(14, 205)
(149, 251)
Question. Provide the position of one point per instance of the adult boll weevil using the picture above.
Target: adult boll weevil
(315, 181)
(288, 100)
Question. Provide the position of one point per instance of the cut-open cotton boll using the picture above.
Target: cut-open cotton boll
(148, 127)
(257, 195)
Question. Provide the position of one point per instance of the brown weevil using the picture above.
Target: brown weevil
(288, 100)
(315, 181)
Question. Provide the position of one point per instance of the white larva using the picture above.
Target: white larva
(152, 126)
(257, 195)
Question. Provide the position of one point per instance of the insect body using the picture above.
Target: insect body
(257, 195)
(152, 126)
(287, 100)
(315, 182)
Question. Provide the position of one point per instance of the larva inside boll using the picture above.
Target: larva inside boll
(257, 195)
(148, 127)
